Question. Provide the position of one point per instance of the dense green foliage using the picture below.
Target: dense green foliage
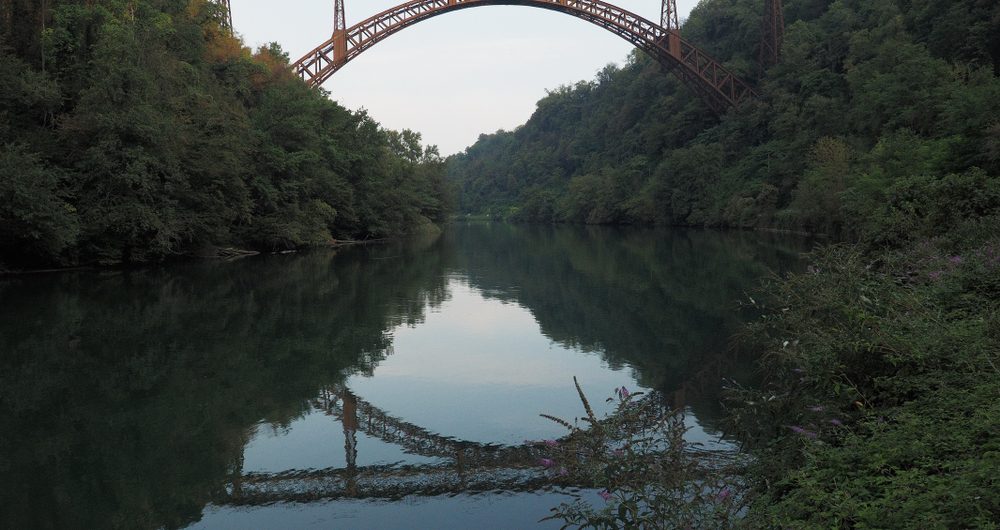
(868, 93)
(128, 397)
(133, 131)
(882, 125)
(884, 399)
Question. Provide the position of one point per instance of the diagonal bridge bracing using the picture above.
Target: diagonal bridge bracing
(718, 86)
(461, 466)
(358, 415)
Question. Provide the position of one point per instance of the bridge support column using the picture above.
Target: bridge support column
(680, 398)
(340, 46)
(237, 476)
(349, 419)
(670, 22)
(350, 422)
(772, 34)
(668, 15)
(674, 43)
(339, 32)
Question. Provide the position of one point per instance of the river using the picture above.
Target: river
(381, 386)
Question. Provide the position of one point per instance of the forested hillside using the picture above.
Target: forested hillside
(881, 125)
(868, 95)
(133, 131)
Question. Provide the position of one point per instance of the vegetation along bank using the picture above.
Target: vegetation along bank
(880, 127)
(137, 131)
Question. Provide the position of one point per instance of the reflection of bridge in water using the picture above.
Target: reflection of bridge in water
(358, 415)
(464, 466)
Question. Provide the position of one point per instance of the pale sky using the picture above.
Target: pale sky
(455, 76)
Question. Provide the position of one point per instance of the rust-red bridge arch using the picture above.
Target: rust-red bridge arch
(719, 87)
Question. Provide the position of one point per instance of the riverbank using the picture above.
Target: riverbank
(878, 396)
(207, 254)
(262, 161)
(495, 217)
(882, 393)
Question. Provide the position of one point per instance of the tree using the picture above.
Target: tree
(37, 224)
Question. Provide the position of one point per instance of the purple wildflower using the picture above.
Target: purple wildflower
(835, 422)
(563, 472)
(547, 462)
(955, 260)
(605, 494)
(724, 494)
(624, 393)
(936, 275)
(804, 432)
(550, 443)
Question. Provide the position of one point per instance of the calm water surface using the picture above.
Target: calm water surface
(389, 386)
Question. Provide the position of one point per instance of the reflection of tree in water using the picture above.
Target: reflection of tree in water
(127, 397)
(459, 466)
(661, 302)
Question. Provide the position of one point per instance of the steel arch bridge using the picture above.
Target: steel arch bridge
(719, 87)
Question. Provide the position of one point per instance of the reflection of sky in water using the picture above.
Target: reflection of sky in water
(493, 511)
(317, 442)
(481, 370)
(475, 369)
(182, 362)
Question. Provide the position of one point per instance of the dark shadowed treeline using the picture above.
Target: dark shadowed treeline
(133, 131)
(658, 301)
(882, 388)
(869, 95)
(128, 396)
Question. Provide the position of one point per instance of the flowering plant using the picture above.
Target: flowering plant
(647, 475)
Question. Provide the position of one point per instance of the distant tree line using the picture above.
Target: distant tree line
(137, 130)
(869, 94)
